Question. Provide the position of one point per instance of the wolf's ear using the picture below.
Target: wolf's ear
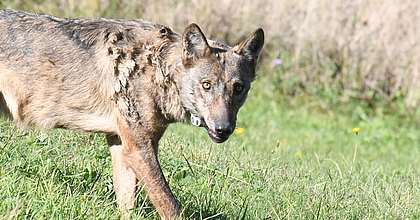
(194, 45)
(252, 46)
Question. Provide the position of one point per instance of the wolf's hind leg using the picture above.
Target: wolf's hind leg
(125, 180)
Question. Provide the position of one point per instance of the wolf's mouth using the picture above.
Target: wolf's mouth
(215, 137)
(197, 121)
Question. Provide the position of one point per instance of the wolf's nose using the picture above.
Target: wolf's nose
(224, 129)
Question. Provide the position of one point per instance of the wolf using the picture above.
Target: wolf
(128, 79)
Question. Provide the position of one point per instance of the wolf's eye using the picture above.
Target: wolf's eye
(206, 85)
(239, 88)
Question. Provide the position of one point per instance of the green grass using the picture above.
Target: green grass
(293, 161)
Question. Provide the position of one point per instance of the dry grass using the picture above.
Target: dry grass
(362, 49)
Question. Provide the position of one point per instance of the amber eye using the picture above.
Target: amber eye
(206, 86)
(239, 88)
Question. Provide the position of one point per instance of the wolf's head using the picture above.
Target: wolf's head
(218, 79)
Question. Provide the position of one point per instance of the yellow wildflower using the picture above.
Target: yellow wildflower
(356, 130)
(239, 130)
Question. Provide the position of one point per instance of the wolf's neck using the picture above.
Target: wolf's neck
(170, 74)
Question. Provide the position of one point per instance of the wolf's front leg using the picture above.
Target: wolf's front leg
(141, 156)
(125, 180)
